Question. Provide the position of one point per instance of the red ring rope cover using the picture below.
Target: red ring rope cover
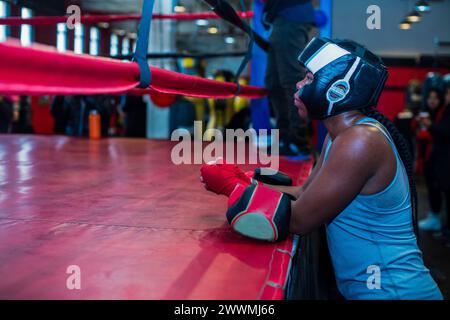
(90, 19)
(41, 70)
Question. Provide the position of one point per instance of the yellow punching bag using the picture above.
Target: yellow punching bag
(216, 113)
(199, 104)
(189, 66)
(221, 111)
(239, 102)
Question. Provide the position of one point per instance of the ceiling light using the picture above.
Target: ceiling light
(414, 16)
(229, 40)
(422, 6)
(179, 9)
(120, 33)
(405, 25)
(103, 25)
(202, 22)
(213, 30)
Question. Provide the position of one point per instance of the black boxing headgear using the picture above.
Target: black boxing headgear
(346, 77)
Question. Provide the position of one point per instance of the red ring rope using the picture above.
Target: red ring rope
(90, 19)
(41, 70)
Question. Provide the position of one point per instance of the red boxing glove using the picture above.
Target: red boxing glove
(222, 178)
(259, 212)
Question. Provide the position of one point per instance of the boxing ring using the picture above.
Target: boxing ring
(132, 223)
(137, 226)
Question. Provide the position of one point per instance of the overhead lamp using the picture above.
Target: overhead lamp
(180, 9)
(422, 6)
(405, 25)
(213, 30)
(414, 16)
(120, 32)
(132, 35)
(202, 22)
(230, 40)
(103, 25)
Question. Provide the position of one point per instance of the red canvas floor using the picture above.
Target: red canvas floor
(138, 226)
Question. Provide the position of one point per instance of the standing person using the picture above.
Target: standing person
(291, 22)
(23, 123)
(77, 121)
(60, 113)
(437, 168)
(105, 105)
(404, 123)
(6, 114)
(432, 107)
(135, 110)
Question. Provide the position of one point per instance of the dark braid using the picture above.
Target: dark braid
(405, 154)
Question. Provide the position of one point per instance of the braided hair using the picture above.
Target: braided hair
(405, 154)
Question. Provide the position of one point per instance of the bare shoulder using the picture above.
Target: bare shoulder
(361, 142)
(363, 136)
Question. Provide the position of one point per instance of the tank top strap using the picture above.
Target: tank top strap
(375, 123)
(327, 149)
(370, 122)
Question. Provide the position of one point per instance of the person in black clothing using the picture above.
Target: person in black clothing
(291, 22)
(60, 113)
(437, 166)
(23, 123)
(78, 113)
(6, 114)
(433, 102)
(105, 105)
(135, 110)
(403, 121)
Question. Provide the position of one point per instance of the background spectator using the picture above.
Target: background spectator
(437, 165)
(291, 23)
(6, 114)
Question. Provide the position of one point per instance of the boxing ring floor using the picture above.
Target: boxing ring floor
(137, 226)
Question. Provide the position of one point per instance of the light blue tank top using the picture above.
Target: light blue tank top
(373, 246)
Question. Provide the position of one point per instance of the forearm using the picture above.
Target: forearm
(306, 216)
(298, 223)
